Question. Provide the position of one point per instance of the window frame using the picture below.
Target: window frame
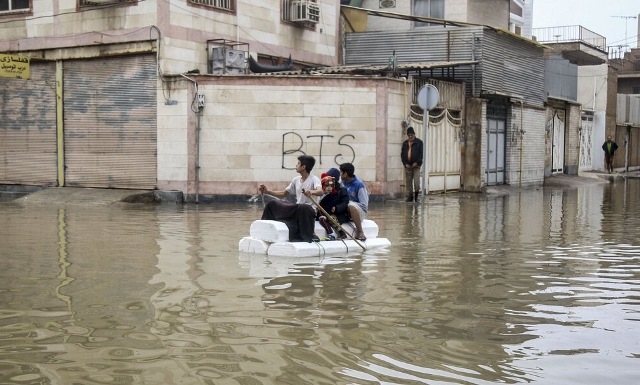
(430, 5)
(18, 12)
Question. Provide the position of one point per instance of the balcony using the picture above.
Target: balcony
(577, 44)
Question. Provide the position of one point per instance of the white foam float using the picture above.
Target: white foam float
(272, 238)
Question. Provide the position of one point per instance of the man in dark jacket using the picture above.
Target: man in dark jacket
(609, 148)
(411, 155)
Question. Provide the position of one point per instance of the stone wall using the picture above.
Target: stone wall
(253, 128)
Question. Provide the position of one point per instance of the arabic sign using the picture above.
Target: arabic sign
(14, 66)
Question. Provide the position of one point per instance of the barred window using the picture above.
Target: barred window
(14, 6)
(227, 5)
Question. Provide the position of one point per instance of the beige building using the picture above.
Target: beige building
(157, 95)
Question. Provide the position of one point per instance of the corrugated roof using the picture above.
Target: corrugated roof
(372, 69)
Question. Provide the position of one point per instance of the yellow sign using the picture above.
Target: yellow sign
(14, 66)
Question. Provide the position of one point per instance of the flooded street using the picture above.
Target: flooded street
(535, 286)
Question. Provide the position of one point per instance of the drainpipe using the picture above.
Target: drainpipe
(521, 140)
(195, 101)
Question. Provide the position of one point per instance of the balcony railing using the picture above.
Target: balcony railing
(570, 34)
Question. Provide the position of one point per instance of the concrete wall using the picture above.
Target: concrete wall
(474, 147)
(494, 13)
(252, 129)
(572, 140)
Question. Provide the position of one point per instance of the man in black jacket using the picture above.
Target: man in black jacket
(411, 155)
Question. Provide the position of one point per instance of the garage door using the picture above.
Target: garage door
(28, 128)
(110, 122)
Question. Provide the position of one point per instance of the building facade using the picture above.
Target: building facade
(157, 95)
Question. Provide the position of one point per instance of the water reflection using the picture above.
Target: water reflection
(538, 285)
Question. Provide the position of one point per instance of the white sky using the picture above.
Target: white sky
(595, 15)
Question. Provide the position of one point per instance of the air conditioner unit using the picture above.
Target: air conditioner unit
(304, 11)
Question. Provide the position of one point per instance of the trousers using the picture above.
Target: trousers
(413, 180)
(299, 218)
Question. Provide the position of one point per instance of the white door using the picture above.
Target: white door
(557, 150)
(444, 153)
(586, 143)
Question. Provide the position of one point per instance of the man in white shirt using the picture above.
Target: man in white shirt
(300, 216)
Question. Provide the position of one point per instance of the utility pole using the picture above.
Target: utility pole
(626, 19)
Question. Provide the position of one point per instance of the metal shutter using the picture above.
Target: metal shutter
(28, 128)
(110, 122)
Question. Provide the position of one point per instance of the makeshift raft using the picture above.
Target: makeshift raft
(272, 238)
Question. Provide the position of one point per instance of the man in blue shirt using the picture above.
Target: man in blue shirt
(358, 198)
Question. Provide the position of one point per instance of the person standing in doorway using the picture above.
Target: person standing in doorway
(609, 148)
(411, 154)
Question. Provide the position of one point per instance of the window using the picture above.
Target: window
(7, 6)
(428, 8)
(227, 5)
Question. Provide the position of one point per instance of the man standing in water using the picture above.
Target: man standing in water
(609, 148)
(411, 154)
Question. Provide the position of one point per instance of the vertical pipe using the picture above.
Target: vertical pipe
(60, 123)
(426, 162)
(521, 140)
(197, 154)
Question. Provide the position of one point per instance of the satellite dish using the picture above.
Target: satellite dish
(428, 97)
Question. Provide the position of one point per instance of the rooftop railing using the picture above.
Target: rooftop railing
(570, 34)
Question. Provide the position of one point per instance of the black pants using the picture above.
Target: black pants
(299, 218)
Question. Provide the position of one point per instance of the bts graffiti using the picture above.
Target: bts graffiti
(293, 143)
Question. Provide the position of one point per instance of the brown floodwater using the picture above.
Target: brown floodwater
(536, 286)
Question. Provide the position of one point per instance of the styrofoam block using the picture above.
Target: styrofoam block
(310, 249)
(269, 231)
(276, 231)
(369, 227)
(253, 245)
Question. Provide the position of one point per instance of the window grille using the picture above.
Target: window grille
(228, 5)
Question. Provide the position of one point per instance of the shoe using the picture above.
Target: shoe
(417, 197)
(315, 238)
(361, 238)
(331, 237)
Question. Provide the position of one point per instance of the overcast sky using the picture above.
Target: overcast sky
(596, 15)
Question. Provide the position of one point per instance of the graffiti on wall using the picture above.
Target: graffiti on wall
(293, 143)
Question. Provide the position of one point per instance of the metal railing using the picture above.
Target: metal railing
(570, 34)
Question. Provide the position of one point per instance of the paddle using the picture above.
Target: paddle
(335, 223)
